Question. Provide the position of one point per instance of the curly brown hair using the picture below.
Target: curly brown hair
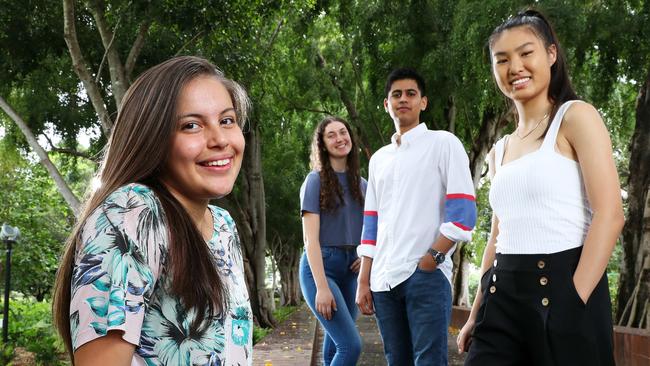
(331, 192)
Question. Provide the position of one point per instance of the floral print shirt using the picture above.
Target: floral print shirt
(120, 282)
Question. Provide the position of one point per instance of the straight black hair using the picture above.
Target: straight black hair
(560, 89)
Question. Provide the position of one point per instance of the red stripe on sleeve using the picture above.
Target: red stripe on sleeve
(369, 242)
(370, 213)
(460, 195)
(466, 228)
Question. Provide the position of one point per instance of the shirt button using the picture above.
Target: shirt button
(543, 281)
(541, 264)
(494, 278)
(493, 289)
(545, 301)
(495, 262)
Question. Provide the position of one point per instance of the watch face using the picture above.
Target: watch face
(437, 256)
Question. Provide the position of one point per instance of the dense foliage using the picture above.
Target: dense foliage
(300, 61)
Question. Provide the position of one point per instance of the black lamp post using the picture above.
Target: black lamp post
(9, 235)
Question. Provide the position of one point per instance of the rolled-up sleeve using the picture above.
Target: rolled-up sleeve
(370, 221)
(460, 201)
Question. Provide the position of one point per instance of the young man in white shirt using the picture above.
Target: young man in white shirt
(419, 203)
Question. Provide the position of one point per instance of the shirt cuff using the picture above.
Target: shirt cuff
(456, 232)
(366, 250)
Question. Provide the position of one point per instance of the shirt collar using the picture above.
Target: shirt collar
(410, 135)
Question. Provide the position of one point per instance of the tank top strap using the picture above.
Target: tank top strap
(499, 148)
(551, 134)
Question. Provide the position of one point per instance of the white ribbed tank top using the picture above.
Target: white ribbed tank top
(539, 199)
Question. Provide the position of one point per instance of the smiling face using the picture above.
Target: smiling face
(404, 104)
(337, 140)
(207, 147)
(521, 64)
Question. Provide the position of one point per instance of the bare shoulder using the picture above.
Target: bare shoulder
(580, 116)
(584, 131)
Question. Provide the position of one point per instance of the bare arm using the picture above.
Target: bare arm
(364, 296)
(442, 244)
(324, 299)
(585, 131)
(109, 350)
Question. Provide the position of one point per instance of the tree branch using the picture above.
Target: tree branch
(273, 37)
(187, 43)
(296, 107)
(67, 151)
(371, 116)
(61, 184)
(73, 152)
(101, 64)
(119, 83)
(81, 67)
(136, 47)
(349, 105)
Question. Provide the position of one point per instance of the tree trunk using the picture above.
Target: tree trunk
(289, 278)
(81, 66)
(274, 283)
(634, 287)
(287, 257)
(61, 184)
(252, 228)
(119, 82)
(492, 125)
(353, 114)
(291, 294)
(460, 275)
(450, 112)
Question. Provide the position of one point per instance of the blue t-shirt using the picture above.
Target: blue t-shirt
(341, 227)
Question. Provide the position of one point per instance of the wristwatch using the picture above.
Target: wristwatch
(439, 257)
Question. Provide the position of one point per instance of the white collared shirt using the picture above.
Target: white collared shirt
(417, 190)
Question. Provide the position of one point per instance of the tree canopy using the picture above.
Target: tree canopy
(67, 64)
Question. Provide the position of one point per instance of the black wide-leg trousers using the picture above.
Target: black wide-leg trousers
(531, 314)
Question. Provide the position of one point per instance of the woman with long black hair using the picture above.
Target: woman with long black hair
(543, 298)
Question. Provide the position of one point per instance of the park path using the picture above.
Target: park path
(291, 343)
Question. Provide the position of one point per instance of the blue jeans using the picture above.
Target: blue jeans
(341, 343)
(413, 318)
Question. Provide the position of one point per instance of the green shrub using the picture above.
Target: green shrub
(259, 333)
(280, 314)
(30, 326)
(6, 354)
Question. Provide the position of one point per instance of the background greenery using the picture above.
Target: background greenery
(300, 61)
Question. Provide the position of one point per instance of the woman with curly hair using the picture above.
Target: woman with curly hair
(331, 204)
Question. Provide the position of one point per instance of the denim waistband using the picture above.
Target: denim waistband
(347, 248)
(535, 262)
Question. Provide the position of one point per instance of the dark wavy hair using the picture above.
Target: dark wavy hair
(402, 74)
(331, 192)
(560, 89)
(137, 150)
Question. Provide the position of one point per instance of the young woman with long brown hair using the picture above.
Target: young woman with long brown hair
(152, 274)
(331, 204)
(543, 298)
